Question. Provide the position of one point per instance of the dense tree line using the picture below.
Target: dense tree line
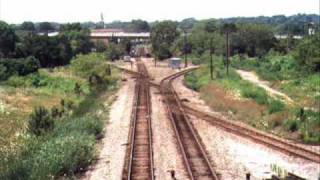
(245, 39)
(21, 45)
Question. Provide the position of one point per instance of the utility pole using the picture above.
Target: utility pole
(211, 63)
(0, 9)
(228, 51)
(185, 49)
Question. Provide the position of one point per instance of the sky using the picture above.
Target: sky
(17, 11)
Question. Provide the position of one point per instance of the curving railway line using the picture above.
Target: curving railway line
(240, 129)
(194, 156)
(139, 157)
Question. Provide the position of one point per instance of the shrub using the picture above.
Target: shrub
(291, 125)
(275, 106)
(40, 121)
(62, 155)
(192, 82)
(17, 81)
(21, 66)
(257, 94)
(87, 125)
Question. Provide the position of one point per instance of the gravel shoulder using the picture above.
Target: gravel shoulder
(113, 146)
(166, 154)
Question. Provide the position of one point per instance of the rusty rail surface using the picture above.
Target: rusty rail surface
(136, 74)
(260, 137)
(194, 156)
(139, 158)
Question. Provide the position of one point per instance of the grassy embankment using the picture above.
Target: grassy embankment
(240, 100)
(78, 108)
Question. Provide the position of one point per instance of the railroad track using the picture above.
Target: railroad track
(194, 156)
(260, 137)
(139, 157)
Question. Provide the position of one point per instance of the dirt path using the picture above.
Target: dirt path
(253, 78)
(113, 145)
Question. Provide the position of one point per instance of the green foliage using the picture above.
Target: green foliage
(50, 51)
(86, 65)
(45, 27)
(8, 39)
(27, 26)
(138, 26)
(291, 125)
(275, 106)
(187, 24)
(113, 51)
(211, 25)
(79, 40)
(252, 39)
(307, 52)
(70, 27)
(192, 81)
(256, 93)
(40, 121)
(67, 149)
(22, 66)
(100, 46)
(163, 34)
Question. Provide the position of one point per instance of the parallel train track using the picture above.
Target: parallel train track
(194, 156)
(139, 157)
(260, 137)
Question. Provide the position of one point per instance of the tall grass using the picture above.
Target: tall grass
(70, 146)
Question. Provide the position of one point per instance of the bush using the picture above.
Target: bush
(257, 94)
(22, 67)
(192, 81)
(51, 157)
(17, 81)
(275, 106)
(62, 155)
(86, 65)
(40, 121)
(87, 125)
(291, 125)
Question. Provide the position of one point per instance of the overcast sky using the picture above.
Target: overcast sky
(17, 11)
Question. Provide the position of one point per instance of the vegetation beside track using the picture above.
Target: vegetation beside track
(241, 100)
(73, 111)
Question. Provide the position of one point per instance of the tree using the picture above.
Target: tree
(139, 26)
(51, 51)
(253, 39)
(27, 26)
(100, 46)
(113, 52)
(163, 35)
(45, 27)
(307, 52)
(187, 24)
(211, 26)
(79, 40)
(71, 27)
(228, 28)
(8, 39)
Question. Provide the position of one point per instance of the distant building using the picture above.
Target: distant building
(106, 35)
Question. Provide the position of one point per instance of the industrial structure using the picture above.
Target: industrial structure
(116, 35)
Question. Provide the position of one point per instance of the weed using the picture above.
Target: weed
(40, 121)
(275, 106)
